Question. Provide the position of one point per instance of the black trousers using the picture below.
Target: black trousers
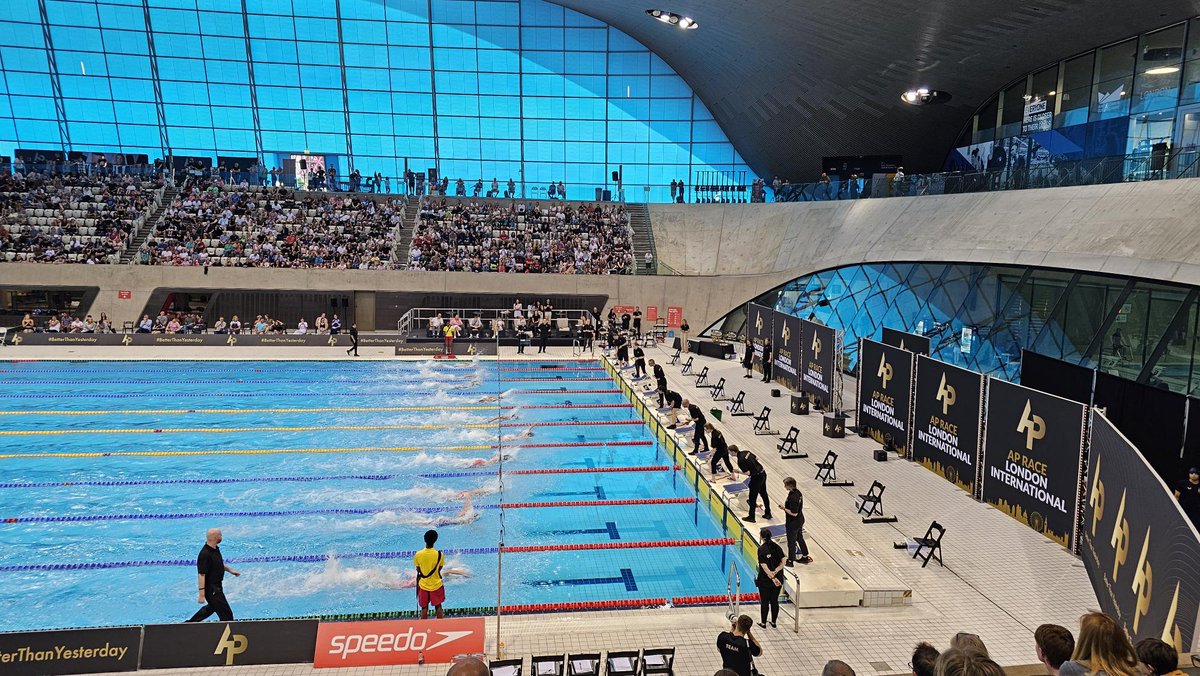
(639, 367)
(758, 489)
(353, 346)
(217, 603)
(718, 455)
(698, 438)
(795, 536)
(768, 600)
(766, 367)
(542, 342)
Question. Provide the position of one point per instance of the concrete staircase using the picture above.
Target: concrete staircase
(131, 252)
(643, 238)
(412, 216)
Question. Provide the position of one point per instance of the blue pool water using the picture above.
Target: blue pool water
(323, 479)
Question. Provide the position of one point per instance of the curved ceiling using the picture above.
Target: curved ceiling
(794, 81)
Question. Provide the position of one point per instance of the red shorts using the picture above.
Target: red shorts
(436, 597)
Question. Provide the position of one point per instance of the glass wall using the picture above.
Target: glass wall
(1132, 98)
(479, 89)
(980, 317)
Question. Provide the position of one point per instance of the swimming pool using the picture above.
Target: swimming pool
(322, 477)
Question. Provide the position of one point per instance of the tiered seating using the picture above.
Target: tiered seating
(72, 219)
(256, 227)
(516, 237)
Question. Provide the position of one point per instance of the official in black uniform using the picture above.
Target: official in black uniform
(748, 359)
(543, 329)
(699, 421)
(793, 507)
(674, 400)
(353, 340)
(639, 362)
(637, 321)
(748, 463)
(1187, 492)
(210, 572)
(770, 578)
(660, 381)
(766, 361)
(720, 448)
(588, 334)
(622, 345)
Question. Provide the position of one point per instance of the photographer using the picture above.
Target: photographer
(739, 647)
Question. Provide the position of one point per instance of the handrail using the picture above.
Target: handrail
(733, 593)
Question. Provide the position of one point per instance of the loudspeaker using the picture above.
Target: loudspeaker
(775, 392)
(616, 176)
(880, 455)
(303, 165)
(862, 431)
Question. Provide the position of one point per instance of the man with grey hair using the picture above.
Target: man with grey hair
(837, 668)
(472, 666)
(211, 569)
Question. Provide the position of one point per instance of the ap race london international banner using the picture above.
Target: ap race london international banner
(946, 422)
(786, 343)
(817, 347)
(912, 342)
(1033, 453)
(1141, 552)
(759, 327)
(885, 376)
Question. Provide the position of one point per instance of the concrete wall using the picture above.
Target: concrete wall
(704, 299)
(1141, 229)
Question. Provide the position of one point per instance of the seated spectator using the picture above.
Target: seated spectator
(321, 325)
(956, 662)
(235, 325)
(335, 325)
(104, 325)
(27, 324)
(174, 326)
(1103, 647)
(220, 326)
(837, 668)
(1054, 646)
(968, 642)
(54, 326)
(301, 328)
(146, 325)
(89, 325)
(1159, 656)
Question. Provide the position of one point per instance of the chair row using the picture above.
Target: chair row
(615, 663)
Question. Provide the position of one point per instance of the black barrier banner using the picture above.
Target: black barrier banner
(71, 651)
(198, 340)
(786, 342)
(223, 644)
(759, 327)
(1140, 550)
(817, 346)
(948, 410)
(435, 349)
(1033, 456)
(885, 378)
(913, 342)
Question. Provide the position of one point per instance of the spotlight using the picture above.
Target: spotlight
(656, 13)
(1163, 70)
(683, 22)
(686, 22)
(924, 96)
(910, 96)
(674, 19)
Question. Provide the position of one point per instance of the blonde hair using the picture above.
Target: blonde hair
(965, 662)
(1104, 647)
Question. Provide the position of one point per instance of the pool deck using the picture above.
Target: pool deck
(1001, 579)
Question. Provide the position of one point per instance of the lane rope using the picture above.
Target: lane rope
(311, 428)
(327, 409)
(238, 395)
(365, 449)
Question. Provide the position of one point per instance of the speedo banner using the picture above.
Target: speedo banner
(1140, 550)
(786, 344)
(370, 644)
(1033, 455)
(70, 651)
(946, 421)
(817, 347)
(885, 376)
(759, 326)
(915, 343)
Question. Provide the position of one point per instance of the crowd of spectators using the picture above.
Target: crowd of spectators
(65, 322)
(470, 236)
(208, 224)
(72, 218)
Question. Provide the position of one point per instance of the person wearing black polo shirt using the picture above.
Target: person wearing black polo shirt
(211, 569)
(748, 463)
(1187, 492)
(770, 578)
(353, 340)
(793, 507)
(674, 400)
(699, 421)
(738, 647)
(639, 362)
(766, 361)
(720, 448)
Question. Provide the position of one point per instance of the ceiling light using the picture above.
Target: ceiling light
(1163, 70)
(910, 96)
(683, 22)
(924, 96)
(1051, 93)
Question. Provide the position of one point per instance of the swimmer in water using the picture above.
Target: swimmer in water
(490, 399)
(523, 434)
(485, 462)
(410, 580)
(464, 516)
(504, 417)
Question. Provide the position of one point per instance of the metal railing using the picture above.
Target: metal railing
(416, 321)
(733, 593)
(1039, 172)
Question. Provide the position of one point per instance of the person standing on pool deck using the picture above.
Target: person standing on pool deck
(720, 448)
(210, 572)
(353, 340)
(639, 361)
(699, 421)
(749, 464)
(430, 589)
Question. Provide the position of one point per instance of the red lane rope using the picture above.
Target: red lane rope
(579, 444)
(598, 503)
(555, 380)
(583, 605)
(570, 423)
(710, 599)
(590, 546)
(587, 470)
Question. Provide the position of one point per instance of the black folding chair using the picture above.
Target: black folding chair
(762, 422)
(932, 541)
(506, 667)
(583, 664)
(675, 358)
(658, 661)
(737, 406)
(546, 665)
(687, 366)
(827, 471)
(623, 663)
(718, 390)
(787, 445)
(872, 502)
(702, 377)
